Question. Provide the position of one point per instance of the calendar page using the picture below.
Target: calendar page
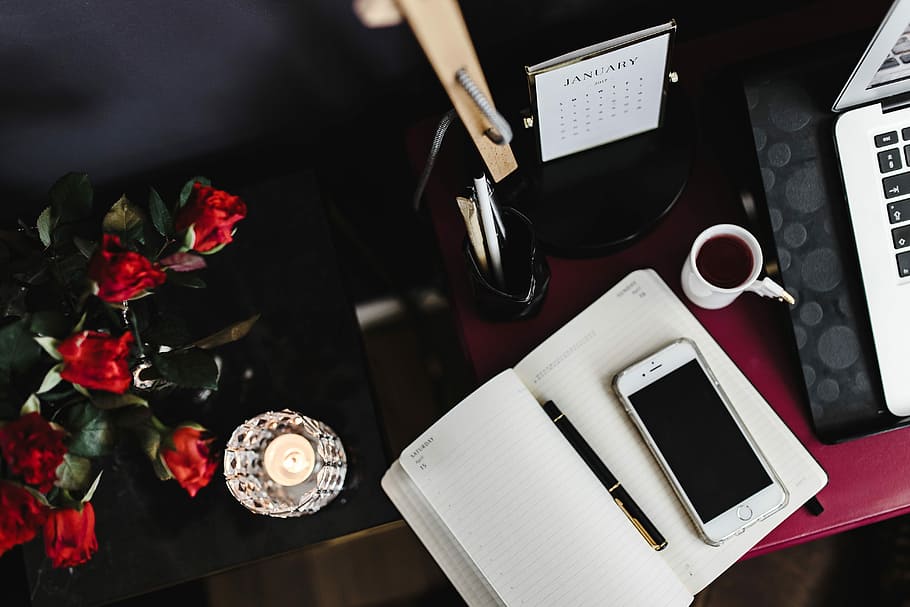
(601, 93)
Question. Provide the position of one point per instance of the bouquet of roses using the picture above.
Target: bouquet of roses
(77, 364)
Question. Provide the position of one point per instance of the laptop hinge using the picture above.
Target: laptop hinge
(897, 102)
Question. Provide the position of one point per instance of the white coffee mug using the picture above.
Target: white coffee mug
(707, 295)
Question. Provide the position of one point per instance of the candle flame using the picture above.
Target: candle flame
(289, 459)
(294, 461)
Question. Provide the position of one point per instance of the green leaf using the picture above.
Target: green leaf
(72, 268)
(216, 248)
(149, 439)
(186, 279)
(161, 217)
(228, 334)
(32, 405)
(35, 272)
(188, 189)
(122, 218)
(81, 390)
(44, 227)
(18, 350)
(155, 243)
(73, 473)
(12, 300)
(131, 417)
(50, 323)
(193, 368)
(51, 379)
(36, 494)
(90, 493)
(91, 431)
(189, 238)
(71, 197)
(63, 391)
(161, 469)
(63, 498)
(86, 247)
(49, 344)
(109, 400)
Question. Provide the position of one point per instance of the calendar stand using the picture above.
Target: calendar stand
(600, 200)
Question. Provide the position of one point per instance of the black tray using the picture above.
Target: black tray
(795, 174)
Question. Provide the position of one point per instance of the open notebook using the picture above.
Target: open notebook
(514, 517)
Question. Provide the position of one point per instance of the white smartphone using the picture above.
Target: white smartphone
(713, 464)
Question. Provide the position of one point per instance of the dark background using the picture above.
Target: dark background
(121, 87)
(141, 94)
(138, 94)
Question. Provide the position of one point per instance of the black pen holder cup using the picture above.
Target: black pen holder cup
(524, 267)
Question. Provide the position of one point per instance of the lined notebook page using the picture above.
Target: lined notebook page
(527, 510)
(575, 368)
(437, 538)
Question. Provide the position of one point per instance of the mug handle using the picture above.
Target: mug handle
(768, 288)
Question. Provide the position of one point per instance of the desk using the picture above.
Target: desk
(868, 481)
(304, 353)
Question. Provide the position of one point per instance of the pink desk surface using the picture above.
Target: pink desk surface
(869, 478)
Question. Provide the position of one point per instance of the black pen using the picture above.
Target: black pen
(616, 490)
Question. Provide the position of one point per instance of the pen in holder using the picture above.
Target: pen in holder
(525, 272)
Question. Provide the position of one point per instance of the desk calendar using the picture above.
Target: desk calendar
(600, 93)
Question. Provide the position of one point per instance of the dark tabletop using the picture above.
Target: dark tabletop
(304, 354)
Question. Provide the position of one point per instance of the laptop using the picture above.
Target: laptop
(872, 138)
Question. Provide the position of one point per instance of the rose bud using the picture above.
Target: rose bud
(212, 213)
(69, 536)
(34, 449)
(121, 274)
(21, 515)
(189, 458)
(97, 360)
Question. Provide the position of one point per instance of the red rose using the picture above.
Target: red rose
(121, 274)
(212, 213)
(190, 460)
(69, 536)
(20, 516)
(34, 449)
(97, 360)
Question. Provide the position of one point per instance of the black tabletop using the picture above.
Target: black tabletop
(304, 353)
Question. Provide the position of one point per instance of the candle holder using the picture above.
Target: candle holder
(284, 464)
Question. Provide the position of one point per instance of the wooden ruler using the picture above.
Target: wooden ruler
(441, 31)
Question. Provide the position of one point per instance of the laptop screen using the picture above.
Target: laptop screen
(884, 69)
(896, 63)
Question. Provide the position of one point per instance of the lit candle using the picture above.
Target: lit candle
(289, 459)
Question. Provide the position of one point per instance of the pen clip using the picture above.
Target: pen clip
(639, 526)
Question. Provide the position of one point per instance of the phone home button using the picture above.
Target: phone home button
(744, 513)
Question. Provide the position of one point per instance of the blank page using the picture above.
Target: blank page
(527, 510)
(575, 368)
(437, 538)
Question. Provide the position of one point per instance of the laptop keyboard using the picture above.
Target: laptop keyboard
(894, 164)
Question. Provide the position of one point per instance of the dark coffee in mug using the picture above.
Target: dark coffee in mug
(725, 261)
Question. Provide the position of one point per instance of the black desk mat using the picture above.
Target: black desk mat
(304, 353)
(788, 99)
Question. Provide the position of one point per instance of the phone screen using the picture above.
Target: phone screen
(700, 440)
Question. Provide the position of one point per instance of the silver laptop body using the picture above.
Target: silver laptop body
(872, 137)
